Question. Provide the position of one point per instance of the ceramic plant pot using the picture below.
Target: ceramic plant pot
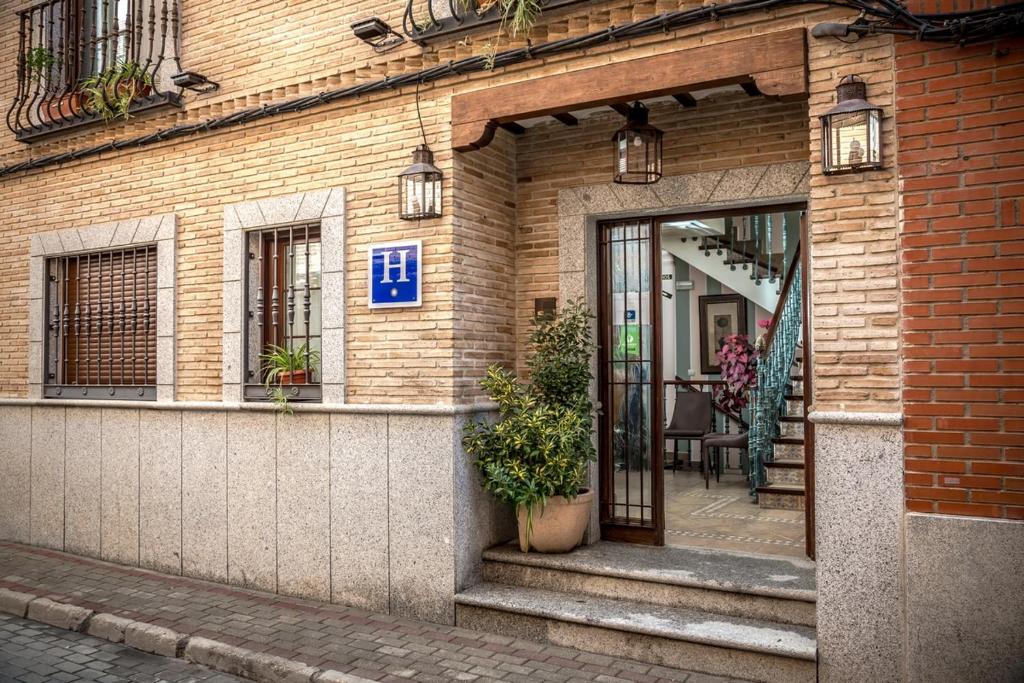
(557, 527)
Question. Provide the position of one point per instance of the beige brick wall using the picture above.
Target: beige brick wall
(436, 353)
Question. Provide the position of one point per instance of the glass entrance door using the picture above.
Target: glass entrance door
(632, 499)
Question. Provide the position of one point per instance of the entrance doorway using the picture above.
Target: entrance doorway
(672, 291)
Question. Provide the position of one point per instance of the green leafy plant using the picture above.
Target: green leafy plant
(39, 61)
(276, 361)
(111, 92)
(517, 17)
(541, 443)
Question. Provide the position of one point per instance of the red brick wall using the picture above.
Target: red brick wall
(960, 128)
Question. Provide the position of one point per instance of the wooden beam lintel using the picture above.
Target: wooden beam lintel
(775, 62)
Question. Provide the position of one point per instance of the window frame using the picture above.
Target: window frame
(56, 360)
(325, 207)
(159, 231)
(254, 388)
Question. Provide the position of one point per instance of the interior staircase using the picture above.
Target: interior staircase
(725, 614)
(783, 488)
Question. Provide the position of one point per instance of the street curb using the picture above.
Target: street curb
(153, 639)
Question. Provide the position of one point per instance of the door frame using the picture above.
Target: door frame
(613, 528)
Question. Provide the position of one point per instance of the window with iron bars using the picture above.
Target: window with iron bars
(101, 325)
(283, 313)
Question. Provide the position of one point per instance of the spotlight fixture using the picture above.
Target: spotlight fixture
(377, 34)
(190, 80)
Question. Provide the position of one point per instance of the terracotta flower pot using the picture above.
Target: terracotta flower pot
(293, 377)
(559, 526)
(63, 107)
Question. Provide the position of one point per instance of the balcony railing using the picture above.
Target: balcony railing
(426, 21)
(81, 61)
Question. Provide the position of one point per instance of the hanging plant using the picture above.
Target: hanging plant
(738, 363)
(39, 61)
(517, 17)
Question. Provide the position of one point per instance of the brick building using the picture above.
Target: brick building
(182, 238)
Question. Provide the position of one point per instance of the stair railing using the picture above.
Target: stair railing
(773, 374)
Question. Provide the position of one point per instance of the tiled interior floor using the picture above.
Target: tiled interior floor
(724, 516)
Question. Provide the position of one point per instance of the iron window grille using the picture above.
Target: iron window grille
(101, 325)
(131, 44)
(426, 21)
(283, 280)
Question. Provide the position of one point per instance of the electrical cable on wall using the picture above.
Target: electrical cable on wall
(877, 17)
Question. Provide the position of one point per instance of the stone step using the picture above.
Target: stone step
(795, 407)
(666, 636)
(788, 448)
(781, 497)
(733, 584)
(792, 426)
(784, 472)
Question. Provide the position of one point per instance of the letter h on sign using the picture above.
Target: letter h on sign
(394, 272)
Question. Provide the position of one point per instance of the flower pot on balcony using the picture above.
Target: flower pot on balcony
(293, 377)
(63, 107)
(558, 527)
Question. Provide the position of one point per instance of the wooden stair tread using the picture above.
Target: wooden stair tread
(783, 489)
(791, 418)
(794, 397)
(794, 440)
(786, 464)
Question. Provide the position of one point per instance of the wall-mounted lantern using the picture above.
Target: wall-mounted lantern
(419, 187)
(851, 131)
(637, 149)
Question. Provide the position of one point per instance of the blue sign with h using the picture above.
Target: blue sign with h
(394, 271)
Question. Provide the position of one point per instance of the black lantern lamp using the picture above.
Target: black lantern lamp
(419, 187)
(851, 131)
(637, 149)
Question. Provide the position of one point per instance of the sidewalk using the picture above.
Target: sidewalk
(353, 641)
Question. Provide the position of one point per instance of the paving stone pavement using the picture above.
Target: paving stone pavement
(374, 646)
(37, 653)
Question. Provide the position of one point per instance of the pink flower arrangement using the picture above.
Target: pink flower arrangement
(738, 363)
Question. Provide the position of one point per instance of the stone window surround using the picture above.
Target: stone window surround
(160, 230)
(326, 206)
(580, 208)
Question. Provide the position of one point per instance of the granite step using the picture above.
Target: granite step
(667, 636)
(781, 497)
(733, 584)
(792, 426)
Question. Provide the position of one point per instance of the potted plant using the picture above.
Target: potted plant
(110, 93)
(738, 362)
(535, 456)
(39, 62)
(283, 366)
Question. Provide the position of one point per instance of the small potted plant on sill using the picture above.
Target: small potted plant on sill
(535, 456)
(283, 366)
(111, 93)
(39, 62)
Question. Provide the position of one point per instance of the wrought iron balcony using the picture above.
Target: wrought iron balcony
(81, 61)
(427, 21)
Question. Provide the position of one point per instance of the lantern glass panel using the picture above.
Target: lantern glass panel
(638, 156)
(853, 141)
(420, 195)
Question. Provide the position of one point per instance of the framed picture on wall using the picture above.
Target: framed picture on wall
(720, 316)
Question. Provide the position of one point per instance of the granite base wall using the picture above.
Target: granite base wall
(859, 536)
(965, 599)
(382, 511)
